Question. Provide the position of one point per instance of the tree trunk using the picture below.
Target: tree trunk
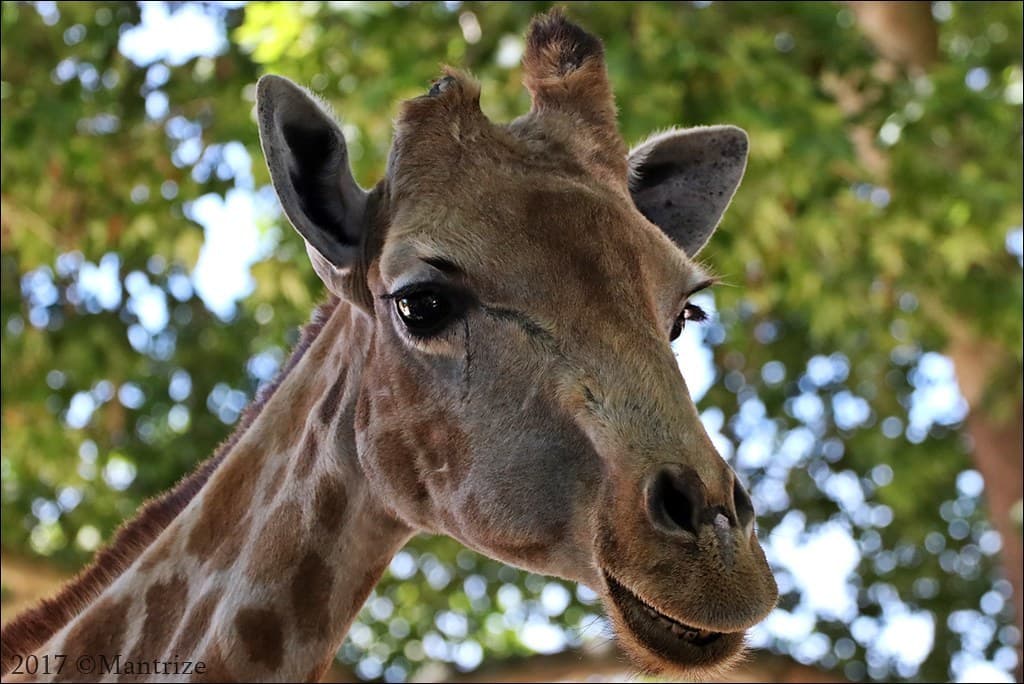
(998, 443)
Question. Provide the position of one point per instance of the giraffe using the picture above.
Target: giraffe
(493, 364)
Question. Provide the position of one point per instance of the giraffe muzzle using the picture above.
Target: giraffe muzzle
(683, 572)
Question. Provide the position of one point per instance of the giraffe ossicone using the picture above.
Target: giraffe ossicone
(494, 364)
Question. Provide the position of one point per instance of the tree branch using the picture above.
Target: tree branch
(608, 663)
(902, 32)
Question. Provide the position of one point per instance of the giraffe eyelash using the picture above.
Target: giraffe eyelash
(692, 312)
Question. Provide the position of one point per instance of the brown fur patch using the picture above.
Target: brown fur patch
(307, 456)
(331, 500)
(332, 401)
(363, 587)
(197, 623)
(165, 604)
(229, 550)
(362, 413)
(277, 546)
(344, 430)
(37, 625)
(318, 671)
(224, 505)
(311, 597)
(393, 455)
(216, 669)
(261, 635)
(98, 633)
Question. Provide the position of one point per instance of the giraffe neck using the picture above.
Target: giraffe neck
(261, 575)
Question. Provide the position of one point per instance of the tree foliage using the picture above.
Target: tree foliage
(848, 269)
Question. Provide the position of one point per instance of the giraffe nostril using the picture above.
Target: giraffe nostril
(676, 499)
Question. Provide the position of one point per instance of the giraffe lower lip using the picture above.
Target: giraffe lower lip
(633, 606)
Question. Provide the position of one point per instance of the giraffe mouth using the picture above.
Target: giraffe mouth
(627, 600)
(675, 643)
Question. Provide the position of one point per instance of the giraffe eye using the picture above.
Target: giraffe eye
(426, 311)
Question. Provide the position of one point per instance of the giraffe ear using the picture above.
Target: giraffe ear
(683, 180)
(308, 161)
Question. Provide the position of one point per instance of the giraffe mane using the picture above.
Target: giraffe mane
(35, 626)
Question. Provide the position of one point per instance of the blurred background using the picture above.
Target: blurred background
(861, 369)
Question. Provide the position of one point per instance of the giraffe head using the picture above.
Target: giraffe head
(524, 282)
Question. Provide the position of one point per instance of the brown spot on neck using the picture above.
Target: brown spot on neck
(225, 503)
(165, 604)
(229, 551)
(261, 635)
(332, 401)
(311, 597)
(216, 669)
(362, 413)
(307, 456)
(330, 500)
(100, 632)
(277, 546)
